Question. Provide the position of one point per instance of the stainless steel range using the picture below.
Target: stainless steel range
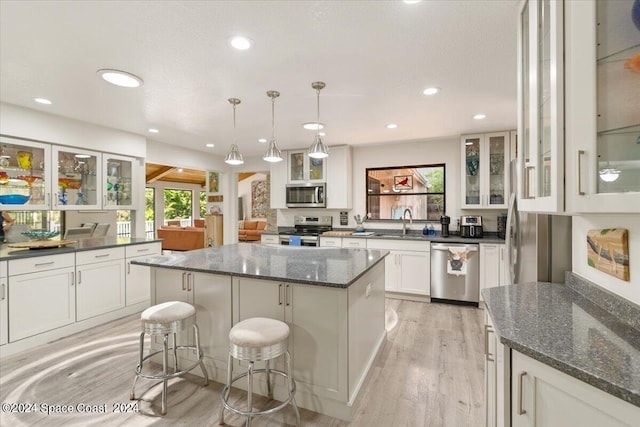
(306, 230)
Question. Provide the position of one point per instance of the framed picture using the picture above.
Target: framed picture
(214, 179)
(403, 182)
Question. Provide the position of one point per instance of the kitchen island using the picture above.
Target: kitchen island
(331, 298)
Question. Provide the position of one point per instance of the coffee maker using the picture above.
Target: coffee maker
(444, 224)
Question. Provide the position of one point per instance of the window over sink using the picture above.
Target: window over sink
(391, 190)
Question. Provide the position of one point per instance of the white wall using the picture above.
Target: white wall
(581, 225)
(244, 191)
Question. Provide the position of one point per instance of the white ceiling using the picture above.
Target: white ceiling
(376, 57)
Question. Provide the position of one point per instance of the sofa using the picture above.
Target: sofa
(251, 231)
(178, 238)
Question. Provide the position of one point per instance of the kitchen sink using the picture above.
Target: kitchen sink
(400, 236)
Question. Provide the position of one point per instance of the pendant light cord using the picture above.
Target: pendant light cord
(318, 118)
(234, 124)
(273, 125)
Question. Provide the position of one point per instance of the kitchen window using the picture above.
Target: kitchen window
(391, 190)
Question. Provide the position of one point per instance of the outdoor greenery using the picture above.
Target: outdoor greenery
(177, 204)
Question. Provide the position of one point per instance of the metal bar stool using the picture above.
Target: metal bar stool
(164, 319)
(253, 340)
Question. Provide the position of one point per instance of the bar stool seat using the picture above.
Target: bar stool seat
(258, 339)
(164, 319)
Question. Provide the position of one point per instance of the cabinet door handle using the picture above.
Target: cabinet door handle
(79, 276)
(142, 250)
(3, 293)
(487, 355)
(189, 282)
(129, 267)
(105, 200)
(42, 264)
(184, 284)
(280, 294)
(72, 278)
(101, 256)
(47, 197)
(521, 375)
(580, 154)
(55, 199)
(287, 294)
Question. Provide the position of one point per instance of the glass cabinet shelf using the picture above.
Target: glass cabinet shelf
(622, 55)
(624, 130)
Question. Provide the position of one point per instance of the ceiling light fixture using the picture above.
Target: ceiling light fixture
(411, 1)
(241, 43)
(234, 157)
(262, 140)
(609, 174)
(318, 150)
(152, 130)
(479, 116)
(431, 90)
(322, 133)
(313, 126)
(120, 78)
(180, 170)
(43, 101)
(273, 154)
(210, 145)
(392, 126)
(82, 156)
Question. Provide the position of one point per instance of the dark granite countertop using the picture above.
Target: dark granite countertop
(562, 326)
(7, 253)
(333, 267)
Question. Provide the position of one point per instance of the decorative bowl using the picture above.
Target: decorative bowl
(14, 199)
(40, 234)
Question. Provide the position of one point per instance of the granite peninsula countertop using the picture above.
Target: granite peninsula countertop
(7, 253)
(567, 328)
(333, 267)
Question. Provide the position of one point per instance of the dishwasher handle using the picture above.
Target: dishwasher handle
(473, 248)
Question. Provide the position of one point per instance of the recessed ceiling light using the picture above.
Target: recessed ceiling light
(241, 43)
(210, 145)
(412, 1)
(44, 101)
(82, 156)
(120, 78)
(262, 140)
(322, 133)
(392, 126)
(479, 116)
(313, 126)
(468, 143)
(180, 170)
(152, 130)
(431, 90)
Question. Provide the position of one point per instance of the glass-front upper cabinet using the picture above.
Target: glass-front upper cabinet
(540, 172)
(24, 175)
(303, 168)
(603, 106)
(117, 181)
(485, 171)
(77, 179)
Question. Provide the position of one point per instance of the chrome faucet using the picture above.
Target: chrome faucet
(404, 222)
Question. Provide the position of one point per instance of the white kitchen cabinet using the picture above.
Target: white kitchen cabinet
(42, 294)
(492, 266)
(331, 241)
(270, 239)
(303, 168)
(602, 110)
(543, 396)
(118, 181)
(138, 277)
(4, 305)
(354, 242)
(540, 173)
(25, 171)
(407, 267)
(100, 282)
(496, 378)
(339, 178)
(485, 170)
(77, 179)
(279, 180)
(317, 316)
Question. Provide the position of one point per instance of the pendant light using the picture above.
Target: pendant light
(273, 154)
(318, 150)
(234, 157)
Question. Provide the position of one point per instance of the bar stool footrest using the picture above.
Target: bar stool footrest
(161, 376)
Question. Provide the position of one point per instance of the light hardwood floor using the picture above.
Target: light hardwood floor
(430, 373)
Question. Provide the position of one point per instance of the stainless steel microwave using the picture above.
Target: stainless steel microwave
(310, 195)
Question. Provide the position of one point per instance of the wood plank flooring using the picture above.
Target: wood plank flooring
(430, 373)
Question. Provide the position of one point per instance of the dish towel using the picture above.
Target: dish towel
(457, 263)
(295, 241)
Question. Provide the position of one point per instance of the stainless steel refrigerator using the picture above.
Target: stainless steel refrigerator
(538, 245)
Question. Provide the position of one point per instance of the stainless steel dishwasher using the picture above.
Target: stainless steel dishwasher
(455, 273)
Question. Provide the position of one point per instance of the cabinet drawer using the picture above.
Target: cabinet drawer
(399, 245)
(99, 255)
(40, 263)
(270, 239)
(354, 242)
(335, 242)
(140, 250)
